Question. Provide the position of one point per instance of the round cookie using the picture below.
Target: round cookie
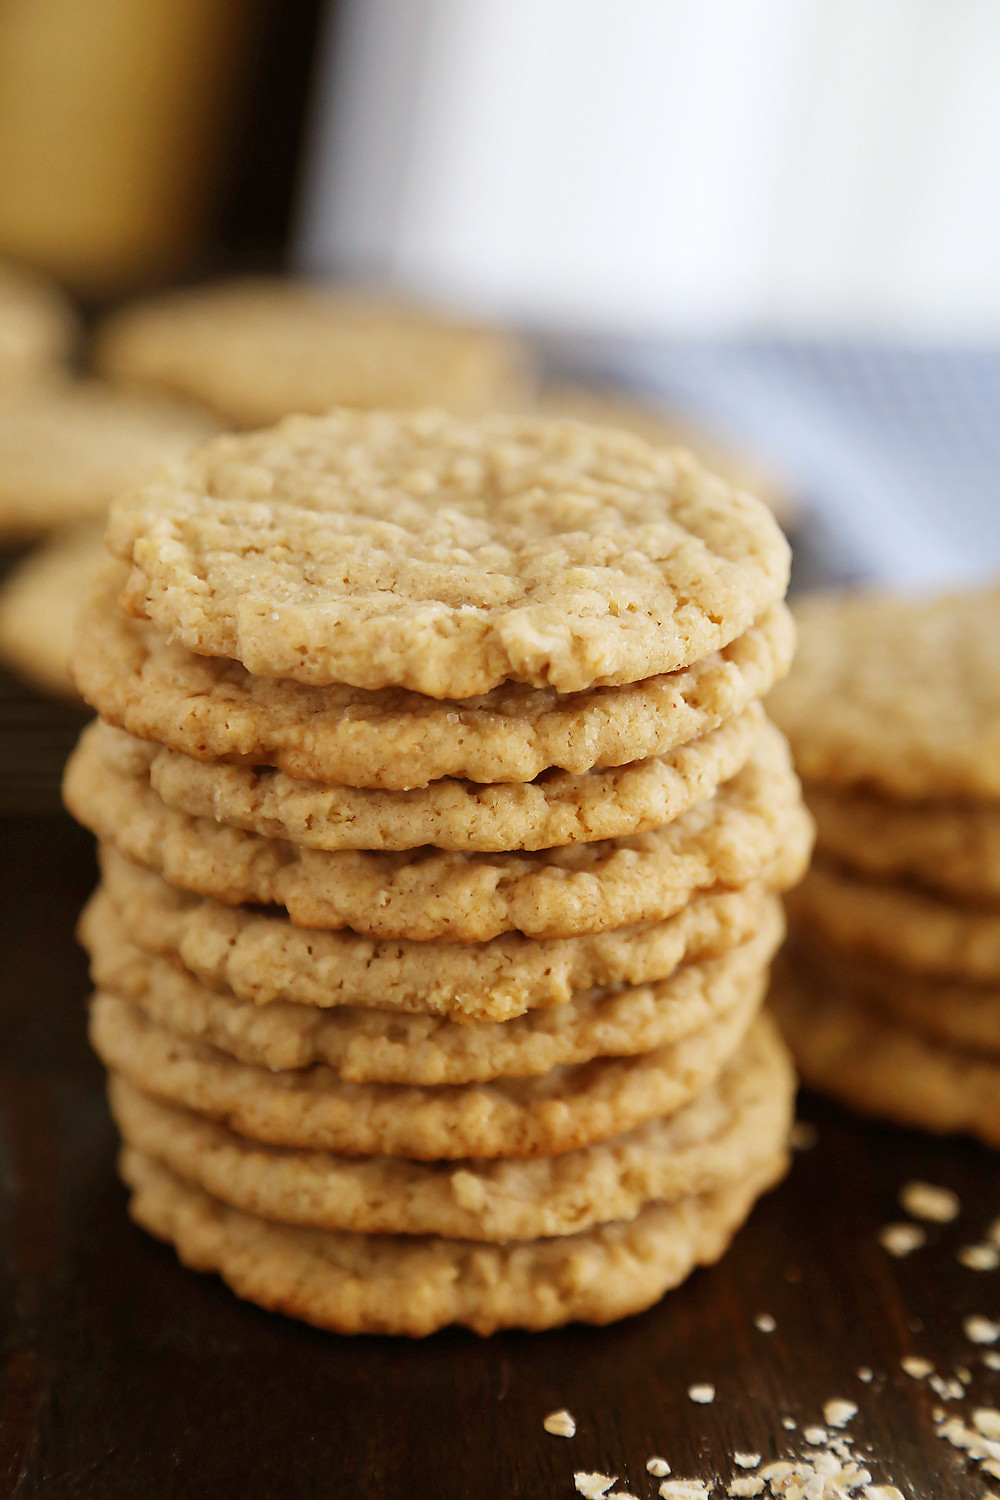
(391, 1284)
(266, 960)
(557, 810)
(259, 349)
(714, 1139)
(898, 924)
(66, 450)
(872, 1063)
(40, 602)
(900, 696)
(953, 847)
(314, 1109)
(727, 840)
(37, 326)
(364, 1046)
(447, 557)
(213, 709)
(959, 1015)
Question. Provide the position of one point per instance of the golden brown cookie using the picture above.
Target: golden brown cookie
(408, 1285)
(899, 696)
(40, 603)
(899, 924)
(214, 709)
(368, 1045)
(859, 1055)
(713, 1140)
(315, 1109)
(257, 350)
(37, 326)
(447, 556)
(728, 840)
(266, 960)
(952, 847)
(558, 809)
(67, 449)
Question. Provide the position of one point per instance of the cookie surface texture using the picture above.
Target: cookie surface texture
(412, 1286)
(711, 1141)
(314, 1109)
(265, 959)
(727, 840)
(916, 685)
(447, 557)
(213, 709)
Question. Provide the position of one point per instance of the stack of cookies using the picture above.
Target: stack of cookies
(890, 987)
(441, 831)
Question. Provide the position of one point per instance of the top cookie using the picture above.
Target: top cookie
(67, 448)
(900, 695)
(445, 556)
(37, 326)
(258, 350)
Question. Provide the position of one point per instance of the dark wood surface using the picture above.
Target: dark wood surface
(125, 1375)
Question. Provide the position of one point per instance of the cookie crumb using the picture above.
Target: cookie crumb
(991, 1359)
(866, 1374)
(964, 1374)
(560, 1423)
(837, 1413)
(902, 1239)
(924, 1200)
(802, 1136)
(979, 1257)
(788, 1423)
(987, 1421)
(703, 1394)
(883, 1492)
(593, 1486)
(765, 1323)
(746, 1460)
(917, 1368)
(816, 1436)
(657, 1467)
(981, 1330)
(948, 1390)
(746, 1485)
(685, 1489)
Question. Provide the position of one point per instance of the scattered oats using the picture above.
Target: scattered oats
(991, 1359)
(883, 1492)
(777, 1472)
(685, 1489)
(703, 1394)
(987, 1421)
(657, 1467)
(765, 1323)
(902, 1239)
(788, 1423)
(948, 1390)
(866, 1374)
(803, 1136)
(981, 1330)
(617, 1495)
(979, 1257)
(593, 1486)
(560, 1424)
(817, 1436)
(746, 1485)
(838, 1413)
(980, 1448)
(925, 1201)
(746, 1460)
(964, 1374)
(916, 1367)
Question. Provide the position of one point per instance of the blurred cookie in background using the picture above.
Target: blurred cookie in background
(259, 349)
(665, 428)
(67, 448)
(37, 325)
(40, 601)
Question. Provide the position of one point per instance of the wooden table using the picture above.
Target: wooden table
(126, 1375)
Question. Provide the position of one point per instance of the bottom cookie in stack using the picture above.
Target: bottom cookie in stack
(889, 990)
(574, 1162)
